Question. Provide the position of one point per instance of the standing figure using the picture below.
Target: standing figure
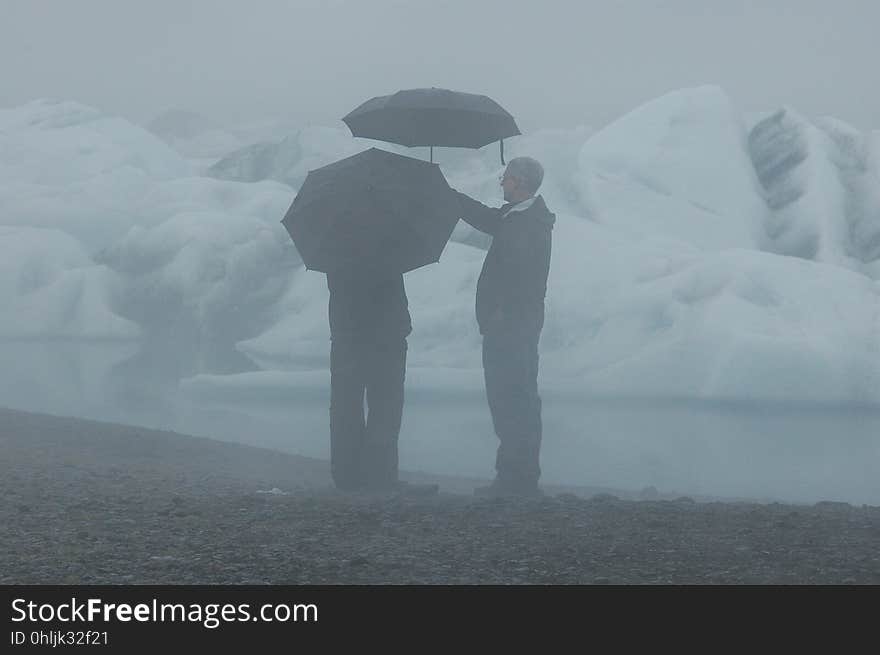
(369, 324)
(510, 313)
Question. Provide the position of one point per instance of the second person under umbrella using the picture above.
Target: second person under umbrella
(364, 221)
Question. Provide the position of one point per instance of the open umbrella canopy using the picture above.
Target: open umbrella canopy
(432, 117)
(375, 211)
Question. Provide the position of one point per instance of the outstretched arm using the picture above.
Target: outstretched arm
(477, 215)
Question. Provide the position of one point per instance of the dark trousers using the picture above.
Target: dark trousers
(363, 451)
(510, 366)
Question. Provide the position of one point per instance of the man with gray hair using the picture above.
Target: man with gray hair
(510, 314)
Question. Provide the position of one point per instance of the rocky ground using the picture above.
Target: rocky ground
(87, 502)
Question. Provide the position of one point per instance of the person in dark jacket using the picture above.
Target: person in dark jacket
(510, 314)
(369, 323)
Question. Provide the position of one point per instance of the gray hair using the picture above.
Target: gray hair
(528, 170)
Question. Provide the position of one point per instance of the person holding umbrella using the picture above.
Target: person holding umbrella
(369, 323)
(510, 313)
(513, 282)
(364, 221)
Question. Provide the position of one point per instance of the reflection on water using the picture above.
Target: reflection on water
(147, 379)
(59, 377)
(806, 453)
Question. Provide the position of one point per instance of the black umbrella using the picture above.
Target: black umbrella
(375, 211)
(433, 117)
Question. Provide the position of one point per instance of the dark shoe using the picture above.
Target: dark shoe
(501, 490)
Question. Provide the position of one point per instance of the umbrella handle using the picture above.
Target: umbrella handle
(502, 152)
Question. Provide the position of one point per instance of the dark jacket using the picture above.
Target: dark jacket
(513, 282)
(367, 307)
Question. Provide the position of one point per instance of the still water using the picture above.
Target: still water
(764, 452)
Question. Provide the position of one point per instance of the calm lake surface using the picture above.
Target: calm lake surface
(765, 452)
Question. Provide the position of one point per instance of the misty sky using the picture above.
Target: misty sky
(552, 63)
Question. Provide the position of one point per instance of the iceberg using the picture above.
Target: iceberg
(694, 256)
(677, 167)
(51, 289)
(820, 182)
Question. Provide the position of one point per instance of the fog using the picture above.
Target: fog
(698, 339)
(553, 64)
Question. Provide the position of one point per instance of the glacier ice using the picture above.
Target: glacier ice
(697, 254)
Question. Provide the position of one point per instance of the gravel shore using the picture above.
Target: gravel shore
(99, 503)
